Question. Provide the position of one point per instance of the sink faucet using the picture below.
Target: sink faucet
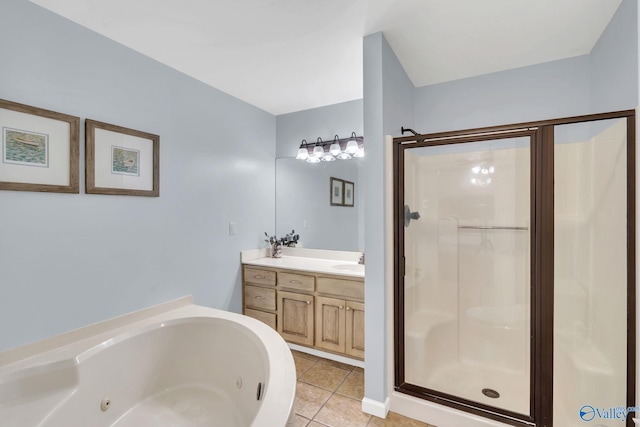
(361, 260)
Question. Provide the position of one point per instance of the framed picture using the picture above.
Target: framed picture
(336, 195)
(121, 161)
(349, 193)
(40, 149)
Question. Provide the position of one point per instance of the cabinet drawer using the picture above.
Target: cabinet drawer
(268, 318)
(340, 287)
(258, 297)
(260, 277)
(297, 281)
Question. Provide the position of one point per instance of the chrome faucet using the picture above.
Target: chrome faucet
(361, 260)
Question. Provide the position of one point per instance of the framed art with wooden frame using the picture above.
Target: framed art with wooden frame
(349, 193)
(40, 149)
(121, 161)
(336, 192)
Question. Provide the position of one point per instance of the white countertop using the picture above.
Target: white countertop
(341, 267)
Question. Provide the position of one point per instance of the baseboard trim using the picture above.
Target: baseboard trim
(373, 407)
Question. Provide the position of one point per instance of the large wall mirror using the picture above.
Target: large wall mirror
(303, 203)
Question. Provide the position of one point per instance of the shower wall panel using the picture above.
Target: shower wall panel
(590, 270)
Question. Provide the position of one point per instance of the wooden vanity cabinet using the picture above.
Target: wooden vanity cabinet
(311, 309)
(340, 317)
(295, 317)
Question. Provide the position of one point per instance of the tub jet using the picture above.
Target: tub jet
(490, 393)
(105, 404)
(259, 391)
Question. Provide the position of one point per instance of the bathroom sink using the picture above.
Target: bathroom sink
(356, 268)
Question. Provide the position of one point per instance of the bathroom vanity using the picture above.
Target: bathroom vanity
(313, 302)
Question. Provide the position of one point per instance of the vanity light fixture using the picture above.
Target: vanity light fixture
(328, 151)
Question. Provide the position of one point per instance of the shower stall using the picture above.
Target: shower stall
(515, 270)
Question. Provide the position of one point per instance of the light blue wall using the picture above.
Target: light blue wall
(69, 260)
(548, 90)
(614, 62)
(388, 105)
(375, 382)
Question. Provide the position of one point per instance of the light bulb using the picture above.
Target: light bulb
(303, 153)
(352, 146)
(359, 153)
(335, 149)
(318, 151)
(344, 156)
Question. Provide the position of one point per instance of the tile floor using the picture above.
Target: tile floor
(329, 394)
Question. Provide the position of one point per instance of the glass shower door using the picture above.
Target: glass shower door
(590, 274)
(467, 280)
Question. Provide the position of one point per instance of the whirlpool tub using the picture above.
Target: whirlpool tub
(189, 367)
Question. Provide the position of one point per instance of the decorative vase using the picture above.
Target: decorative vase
(276, 250)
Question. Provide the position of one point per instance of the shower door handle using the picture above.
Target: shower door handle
(408, 216)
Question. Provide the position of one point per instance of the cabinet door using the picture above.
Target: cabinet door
(330, 324)
(355, 329)
(295, 317)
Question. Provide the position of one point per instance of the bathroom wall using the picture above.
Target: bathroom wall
(69, 260)
(348, 223)
(388, 105)
(613, 62)
(553, 89)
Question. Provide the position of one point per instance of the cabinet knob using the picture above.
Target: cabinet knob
(348, 308)
(341, 307)
(295, 282)
(258, 297)
(308, 302)
(257, 276)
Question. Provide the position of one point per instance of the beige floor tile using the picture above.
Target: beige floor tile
(315, 424)
(300, 421)
(341, 411)
(358, 369)
(302, 365)
(396, 420)
(352, 386)
(324, 376)
(337, 364)
(305, 355)
(309, 399)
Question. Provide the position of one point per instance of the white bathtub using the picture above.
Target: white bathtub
(190, 367)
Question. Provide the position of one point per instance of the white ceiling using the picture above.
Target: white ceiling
(290, 55)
